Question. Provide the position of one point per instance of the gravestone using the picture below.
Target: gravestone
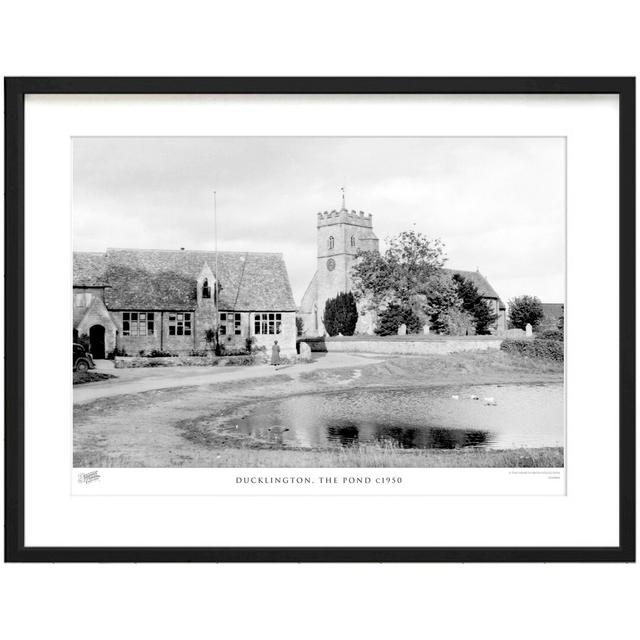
(402, 330)
(305, 352)
(425, 330)
(529, 330)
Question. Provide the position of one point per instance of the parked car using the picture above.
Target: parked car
(82, 360)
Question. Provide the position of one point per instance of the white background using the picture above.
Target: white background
(463, 38)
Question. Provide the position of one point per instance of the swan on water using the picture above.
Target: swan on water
(278, 430)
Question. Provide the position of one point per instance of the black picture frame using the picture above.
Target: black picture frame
(15, 91)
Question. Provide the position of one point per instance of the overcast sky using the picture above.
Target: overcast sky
(496, 203)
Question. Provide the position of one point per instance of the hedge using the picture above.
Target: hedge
(551, 334)
(183, 361)
(538, 348)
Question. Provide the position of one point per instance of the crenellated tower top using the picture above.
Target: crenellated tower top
(344, 216)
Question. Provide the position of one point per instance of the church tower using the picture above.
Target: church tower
(340, 234)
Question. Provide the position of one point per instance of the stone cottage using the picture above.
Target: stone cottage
(340, 234)
(141, 300)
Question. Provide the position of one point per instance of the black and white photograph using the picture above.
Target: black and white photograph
(318, 302)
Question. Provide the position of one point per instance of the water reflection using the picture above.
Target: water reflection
(345, 434)
(407, 437)
(524, 415)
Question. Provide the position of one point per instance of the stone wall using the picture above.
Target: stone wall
(184, 345)
(160, 340)
(515, 333)
(231, 341)
(82, 298)
(407, 347)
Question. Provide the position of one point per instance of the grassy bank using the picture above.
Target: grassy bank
(363, 456)
(494, 367)
(82, 377)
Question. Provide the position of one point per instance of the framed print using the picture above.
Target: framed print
(320, 319)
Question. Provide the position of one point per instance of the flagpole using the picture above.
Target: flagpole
(215, 235)
(217, 289)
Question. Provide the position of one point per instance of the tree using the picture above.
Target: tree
(390, 319)
(485, 318)
(525, 310)
(441, 296)
(467, 291)
(341, 315)
(474, 305)
(456, 322)
(400, 273)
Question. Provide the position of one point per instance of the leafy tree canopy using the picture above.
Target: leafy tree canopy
(474, 305)
(441, 297)
(390, 319)
(484, 317)
(409, 276)
(525, 310)
(467, 291)
(401, 272)
(456, 321)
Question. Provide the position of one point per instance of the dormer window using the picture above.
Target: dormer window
(353, 241)
(206, 289)
(331, 242)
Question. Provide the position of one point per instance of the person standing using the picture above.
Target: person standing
(275, 353)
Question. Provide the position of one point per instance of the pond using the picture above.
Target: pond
(491, 416)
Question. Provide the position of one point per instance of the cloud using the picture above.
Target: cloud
(497, 203)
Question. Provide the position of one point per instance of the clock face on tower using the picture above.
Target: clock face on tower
(331, 264)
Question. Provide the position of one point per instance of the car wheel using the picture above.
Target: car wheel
(82, 366)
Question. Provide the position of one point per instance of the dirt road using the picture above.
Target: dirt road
(148, 379)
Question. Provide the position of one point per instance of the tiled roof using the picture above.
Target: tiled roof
(89, 269)
(480, 282)
(154, 279)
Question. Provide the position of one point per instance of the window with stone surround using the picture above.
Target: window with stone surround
(180, 324)
(332, 242)
(267, 324)
(206, 289)
(230, 324)
(138, 323)
(353, 241)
